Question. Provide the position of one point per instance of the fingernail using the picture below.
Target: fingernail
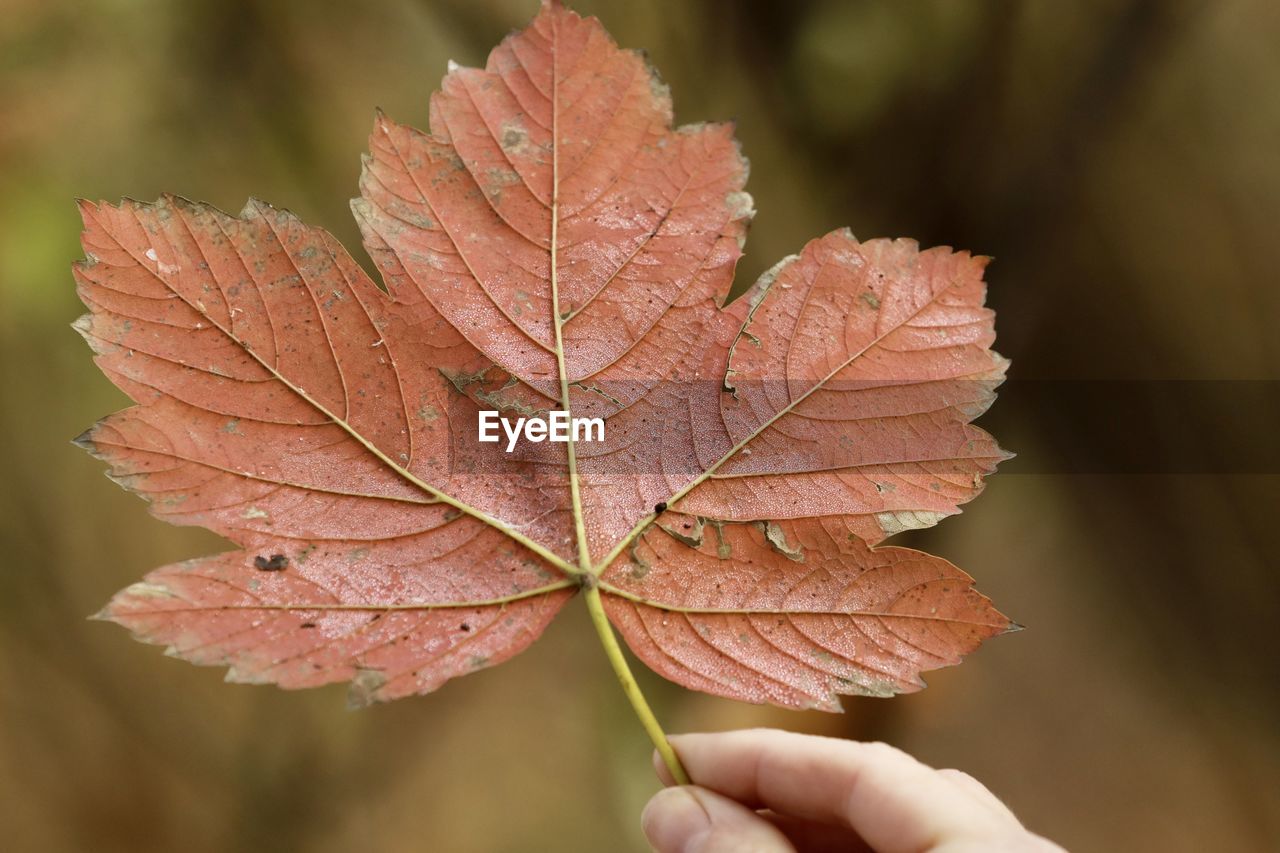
(672, 819)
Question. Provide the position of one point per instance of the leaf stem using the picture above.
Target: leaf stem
(629, 686)
(557, 321)
(591, 588)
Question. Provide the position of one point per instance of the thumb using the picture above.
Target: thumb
(690, 819)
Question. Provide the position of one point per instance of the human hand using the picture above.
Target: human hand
(767, 790)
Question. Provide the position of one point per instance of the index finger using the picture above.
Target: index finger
(884, 795)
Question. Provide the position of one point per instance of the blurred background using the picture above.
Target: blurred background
(1117, 157)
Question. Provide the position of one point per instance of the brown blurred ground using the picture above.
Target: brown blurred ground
(1118, 158)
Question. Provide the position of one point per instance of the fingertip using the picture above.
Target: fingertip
(672, 819)
(689, 819)
(976, 789)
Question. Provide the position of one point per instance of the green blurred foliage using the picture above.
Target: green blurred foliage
(1119, 160)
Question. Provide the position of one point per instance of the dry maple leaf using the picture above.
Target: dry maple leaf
(553, 244)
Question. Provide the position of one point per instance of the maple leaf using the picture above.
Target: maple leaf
(552, 244)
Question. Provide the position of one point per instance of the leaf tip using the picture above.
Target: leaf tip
(364, 688)
(254, 208)
(830, 703)
(382, 123)
(84, 440)
(360, 211)
(88, 211)
(84, 327)
(231, 676)
(169, 202)
(1013, 627)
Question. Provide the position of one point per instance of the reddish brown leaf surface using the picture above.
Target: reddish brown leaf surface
(552, 243)
(792, 623)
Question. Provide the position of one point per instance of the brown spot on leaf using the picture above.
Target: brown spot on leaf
(274, 563)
